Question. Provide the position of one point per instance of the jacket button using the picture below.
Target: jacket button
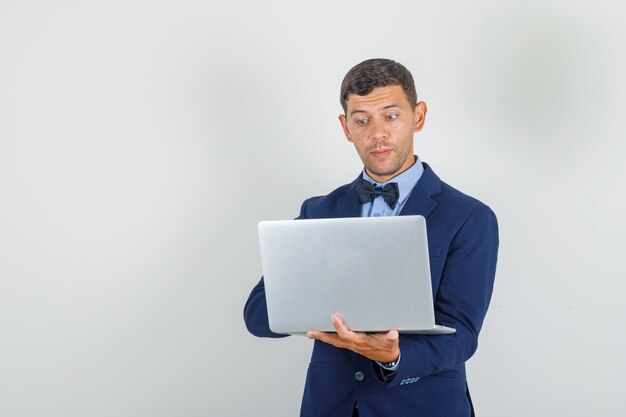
(359, 376)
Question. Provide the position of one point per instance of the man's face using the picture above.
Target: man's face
(381, 125)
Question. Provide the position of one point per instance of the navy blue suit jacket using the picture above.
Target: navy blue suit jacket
(430, 381)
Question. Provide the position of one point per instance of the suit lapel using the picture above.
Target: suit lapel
(420, 201)
(349, 205)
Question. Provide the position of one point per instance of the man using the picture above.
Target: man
(388, 374)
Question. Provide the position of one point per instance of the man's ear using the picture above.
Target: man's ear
(420, 116)
(344, 126)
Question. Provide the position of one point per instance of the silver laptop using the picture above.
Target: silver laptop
(373, 272)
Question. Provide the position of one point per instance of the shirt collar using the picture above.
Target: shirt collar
(406, 181)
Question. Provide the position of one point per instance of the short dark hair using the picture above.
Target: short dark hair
(374, 73)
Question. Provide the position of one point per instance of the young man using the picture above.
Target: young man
(388, 374)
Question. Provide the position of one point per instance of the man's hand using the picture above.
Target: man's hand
(382, 347)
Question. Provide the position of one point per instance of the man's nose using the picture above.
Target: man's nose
(378, 129)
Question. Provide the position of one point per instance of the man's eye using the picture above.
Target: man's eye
(361, 122)
(392, 116)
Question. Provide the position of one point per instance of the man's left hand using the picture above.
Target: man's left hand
(382, 347)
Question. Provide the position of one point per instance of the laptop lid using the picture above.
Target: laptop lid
(374, 272)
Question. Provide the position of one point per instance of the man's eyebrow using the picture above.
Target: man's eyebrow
(389, 106)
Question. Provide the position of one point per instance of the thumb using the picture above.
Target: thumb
(392, 335)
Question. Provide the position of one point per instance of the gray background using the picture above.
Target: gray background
(138, 139)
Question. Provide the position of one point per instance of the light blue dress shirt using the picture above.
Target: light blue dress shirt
(378, 207)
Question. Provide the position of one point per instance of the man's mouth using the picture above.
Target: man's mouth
(380, 152)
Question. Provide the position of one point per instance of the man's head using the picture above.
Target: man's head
(381, 116)
(375, 73)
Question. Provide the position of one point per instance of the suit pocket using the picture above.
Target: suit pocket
(445, 374)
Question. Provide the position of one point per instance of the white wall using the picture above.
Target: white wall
(137, 139)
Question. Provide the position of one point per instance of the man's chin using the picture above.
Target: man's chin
(381, 171)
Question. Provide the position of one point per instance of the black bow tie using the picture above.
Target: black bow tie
(367, 192)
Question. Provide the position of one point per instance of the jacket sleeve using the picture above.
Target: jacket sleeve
(255, 310)
(255, 313)
(461, 301)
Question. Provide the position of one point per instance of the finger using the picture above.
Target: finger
(339, 326)
(314, 334)
(321, 336)
(343, 331)
(392, 335)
